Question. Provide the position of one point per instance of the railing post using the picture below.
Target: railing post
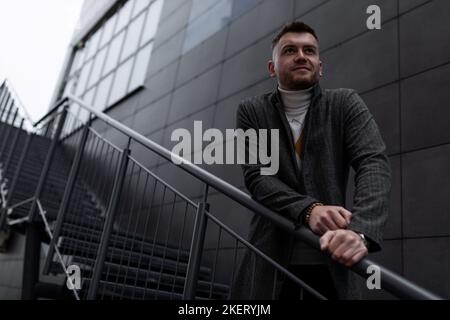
(195, 256)
(3, 214)
(32, 255)
(109, 223)
(67, 196)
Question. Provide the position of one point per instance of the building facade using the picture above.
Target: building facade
(160, 65)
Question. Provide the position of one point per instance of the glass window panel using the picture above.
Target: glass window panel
(81, 85)
(75, 63)
(151, 25)
(74, 109)
(209, 23)
(113, 55)
(133, 35)
(81, 53)
(70, 87)
(97, 68)
(102, 93)
(140, 67)
(108, 30)
(124, 16)
(93, 44)
(88, 96)
(139, 6)
(119, 88)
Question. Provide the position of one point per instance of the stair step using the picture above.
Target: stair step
(138, 277)
(120, 240)
(84, 248)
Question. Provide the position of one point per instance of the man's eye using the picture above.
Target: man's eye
(289, 50)
(310, 50)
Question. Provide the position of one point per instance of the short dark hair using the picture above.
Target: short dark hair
(294, 26)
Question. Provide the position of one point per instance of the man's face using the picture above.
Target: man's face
(295, 61)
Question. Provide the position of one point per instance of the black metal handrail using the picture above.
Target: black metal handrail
(391, 281)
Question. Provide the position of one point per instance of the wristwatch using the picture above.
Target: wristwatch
(366, 243)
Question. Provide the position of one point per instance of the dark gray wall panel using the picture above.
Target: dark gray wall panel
(426, 185)
(166, 53)
(201, 58)
(246, 68)
(174, 23)
(364, 63)
(384, 104)
(195, 95)
(262, 20)
(427, 262)
(425, 112)
(327, 20)
(424, 33)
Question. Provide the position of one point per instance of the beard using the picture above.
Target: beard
(302, 80)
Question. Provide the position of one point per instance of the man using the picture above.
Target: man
(322, 134)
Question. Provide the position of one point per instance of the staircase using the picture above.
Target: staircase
(134, 266)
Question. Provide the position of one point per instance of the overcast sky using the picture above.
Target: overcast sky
(34, 38)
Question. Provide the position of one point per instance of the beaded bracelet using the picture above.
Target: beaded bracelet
(309, 211)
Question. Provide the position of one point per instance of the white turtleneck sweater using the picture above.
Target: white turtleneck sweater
(296, 104)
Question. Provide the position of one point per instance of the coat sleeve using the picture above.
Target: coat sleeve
(269, 189)
(366, 152)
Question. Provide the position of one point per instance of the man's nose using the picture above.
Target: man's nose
(300, 56)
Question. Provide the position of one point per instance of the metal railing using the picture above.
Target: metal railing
(150, 240)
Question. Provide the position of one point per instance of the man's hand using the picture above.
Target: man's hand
(325, 218)
(345, 246)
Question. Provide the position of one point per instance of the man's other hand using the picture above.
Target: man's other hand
(326, 218)
(345, 246)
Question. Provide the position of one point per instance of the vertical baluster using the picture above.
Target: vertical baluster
(109, 223)
(195, 256)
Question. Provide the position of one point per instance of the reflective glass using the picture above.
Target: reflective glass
(140, 67)
(93, 44)
(97, 68)
(102, 92)
(108, 30)
(151, 24)
(113, 54)
(124, 16)
(139, 6)
(119, 88)
(133, 35)
(81, 85)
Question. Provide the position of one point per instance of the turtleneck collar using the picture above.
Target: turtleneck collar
(294, 100)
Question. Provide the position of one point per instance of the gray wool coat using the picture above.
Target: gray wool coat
(340, 133)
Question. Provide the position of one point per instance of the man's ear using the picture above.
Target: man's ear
(320, 68)
(271, 68)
